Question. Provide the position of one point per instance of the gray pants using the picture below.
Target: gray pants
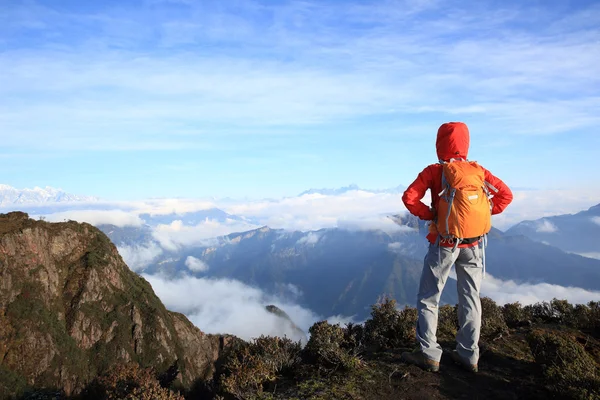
(436, 268)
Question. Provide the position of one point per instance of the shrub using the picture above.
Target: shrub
(389, 327)
(251, 366)
(130, 382)
(328, 349)
(515, 315)
(492, 319)
(587, 318)
(567, 367)
(447, 322)
(555, 311)
(563, 311)
(354, 338)
(541, 312)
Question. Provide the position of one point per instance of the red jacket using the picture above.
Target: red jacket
(452, 142)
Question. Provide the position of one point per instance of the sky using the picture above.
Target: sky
(128, 100)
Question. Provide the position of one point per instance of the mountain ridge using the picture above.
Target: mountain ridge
(70, 309)
(13, 196)
(352, 187)
(574, 233)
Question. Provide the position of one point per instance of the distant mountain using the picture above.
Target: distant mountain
(332, 271)
(576, 233)
(337, 271)
(351, 188)
(297, 333)
(192, 218)
(12, 196)
(128, 235)
(521, 259)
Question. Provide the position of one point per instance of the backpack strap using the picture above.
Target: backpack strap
(491, 187)
(482, 246)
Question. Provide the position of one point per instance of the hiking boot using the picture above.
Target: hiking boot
(420, 360)
(462, 362)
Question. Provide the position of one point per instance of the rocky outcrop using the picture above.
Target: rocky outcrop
(296, 332)
(70, 309)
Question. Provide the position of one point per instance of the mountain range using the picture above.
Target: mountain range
(340, 271)
(351, 188)
(344, 271)
(576, 233)
(12, 196)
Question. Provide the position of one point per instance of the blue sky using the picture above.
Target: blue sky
(133, 99)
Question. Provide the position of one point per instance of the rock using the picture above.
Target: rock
(70, 309)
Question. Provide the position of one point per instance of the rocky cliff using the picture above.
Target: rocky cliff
(70, 309)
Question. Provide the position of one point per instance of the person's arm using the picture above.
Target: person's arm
(502, 195)
(415, 192)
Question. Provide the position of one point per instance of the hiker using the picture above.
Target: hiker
(464, 195)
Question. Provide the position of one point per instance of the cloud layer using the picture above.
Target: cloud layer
(177, 235)
(289, 63)
(229, 306)
(95, 217)
(195, 265)
(546, 226)
(354, 210)
(509, 292)
(138, 257)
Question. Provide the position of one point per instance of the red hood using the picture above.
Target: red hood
(452, 141)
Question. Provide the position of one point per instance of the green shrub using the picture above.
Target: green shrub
(563, 311)
(555, 311)
(447, 323)
(587, 318)
(389, 327)
(515, 315)
(583, 317)
(492, 319)
(567, 367)
(251, 366)
(541, 312)
(129, 382)
(328, 349)
(354, 338)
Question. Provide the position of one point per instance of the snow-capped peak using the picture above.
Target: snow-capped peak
(10, 195)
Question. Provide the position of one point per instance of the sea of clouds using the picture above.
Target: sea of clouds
(229, 306)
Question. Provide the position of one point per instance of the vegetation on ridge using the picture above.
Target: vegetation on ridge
(550, 349)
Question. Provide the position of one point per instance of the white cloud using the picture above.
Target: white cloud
(509, 292)
(294, 290)
(594, 255)
(351, 210)
(195, 264)
(138, 257)
(536, 204)
(383, 69)
(311, 239)
(96, 217)
(229, 306)
(176, 235)
(171, 206)
(365, 210)
(395, 246)
(381, 223)
(546, 226)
